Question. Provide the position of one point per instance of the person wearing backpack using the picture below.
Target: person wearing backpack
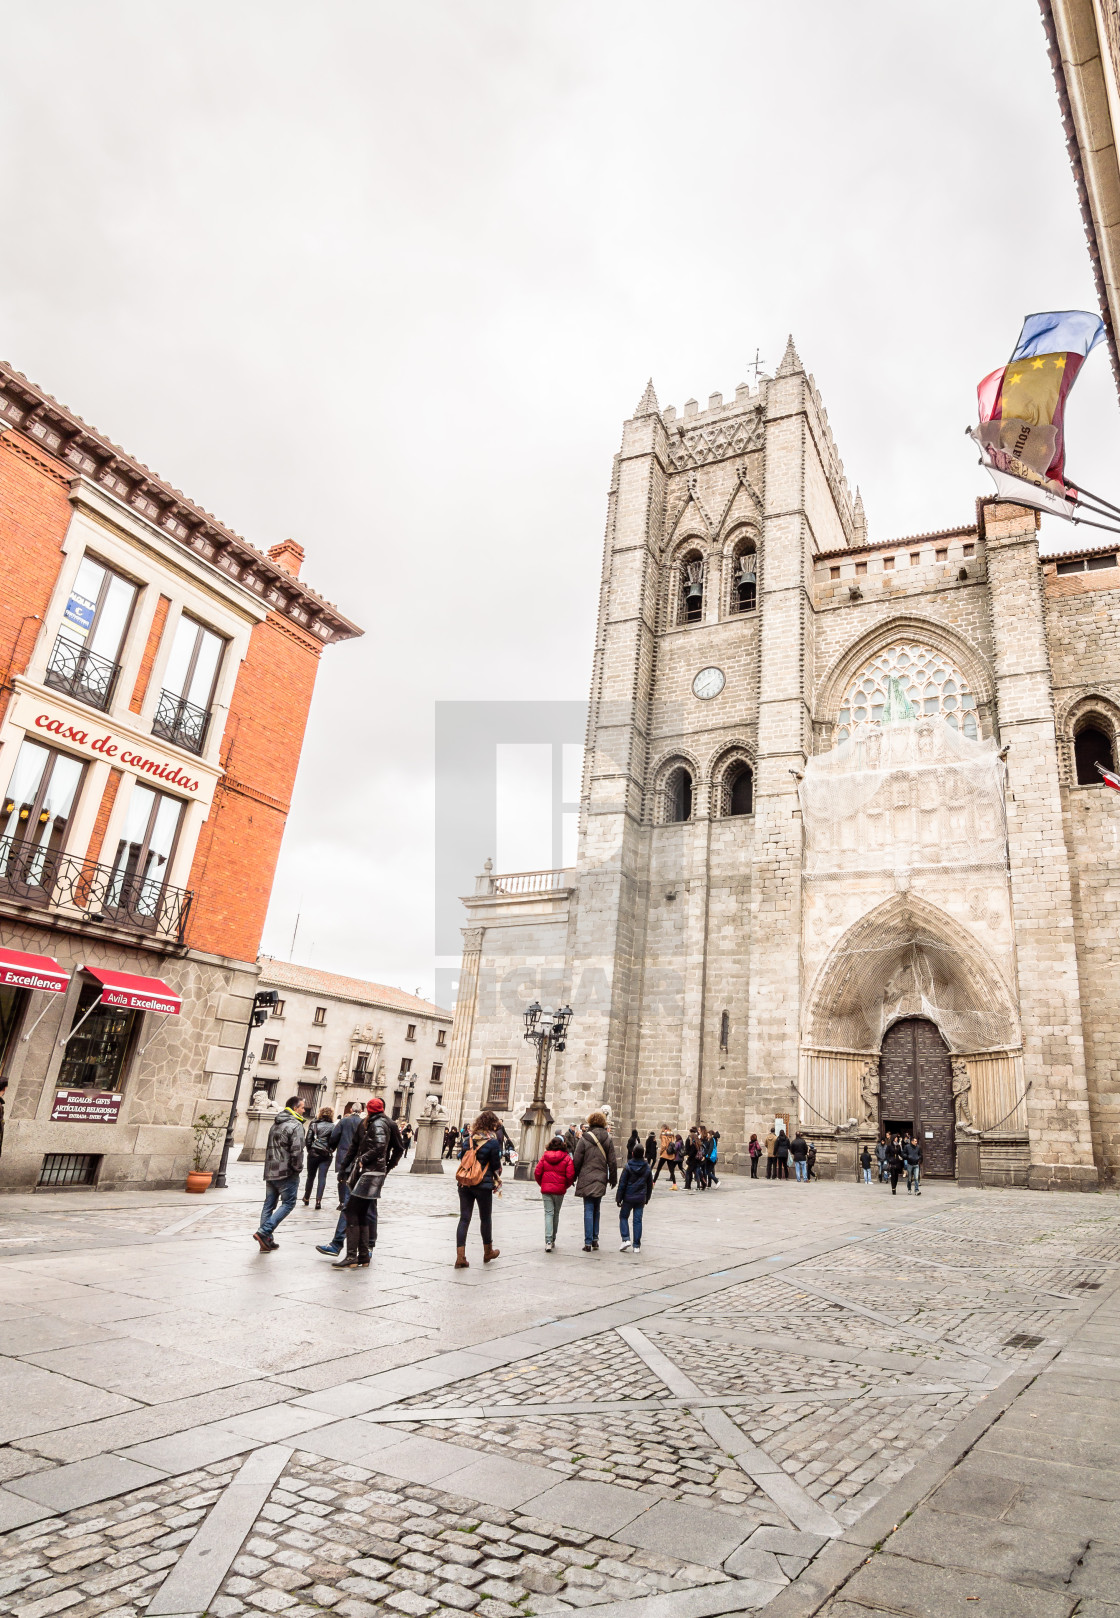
(319, 1153)
(375, 1147)
(479, 1175)
(554, 1173)
(596, 1167)
(635, 1187)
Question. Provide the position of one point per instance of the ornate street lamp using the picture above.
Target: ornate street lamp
(548, 1031)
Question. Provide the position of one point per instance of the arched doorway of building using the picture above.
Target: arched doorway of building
(916, 1092)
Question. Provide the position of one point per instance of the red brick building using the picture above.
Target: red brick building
(156, 673)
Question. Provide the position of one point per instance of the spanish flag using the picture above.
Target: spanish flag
(1023, 403)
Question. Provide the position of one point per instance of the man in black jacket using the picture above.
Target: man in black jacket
(342, 1137)
(375, 1148)
(799, 1151)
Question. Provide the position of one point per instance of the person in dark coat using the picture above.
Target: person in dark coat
(319, 1155)
(635, 1187)
(635, 1140)
(341, 1135)
(894, 1162)
(799, 1151)
(912, 1157)
(375, 1149)
(651, 1148)
(781, 1156)
(283, 1165)
(596, 1166)
(484, 1139)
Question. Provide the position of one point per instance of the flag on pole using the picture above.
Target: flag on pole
(1022, 408)
(1109, 778)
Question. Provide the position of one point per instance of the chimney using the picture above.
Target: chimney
(287, 555)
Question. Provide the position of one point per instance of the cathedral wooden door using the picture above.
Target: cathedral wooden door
(916, 1092)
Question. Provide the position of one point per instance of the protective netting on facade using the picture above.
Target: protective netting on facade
(907, 793)
(905, 798)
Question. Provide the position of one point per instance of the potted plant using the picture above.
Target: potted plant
(208, 1130)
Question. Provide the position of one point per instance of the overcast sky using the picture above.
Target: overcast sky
(388, 278)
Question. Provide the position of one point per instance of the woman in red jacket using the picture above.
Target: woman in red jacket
(554, 1173)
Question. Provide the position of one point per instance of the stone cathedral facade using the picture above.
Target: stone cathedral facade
(844, 856)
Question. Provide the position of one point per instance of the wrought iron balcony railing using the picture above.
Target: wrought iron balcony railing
(179, 721)
(107, 893)
(73, 668)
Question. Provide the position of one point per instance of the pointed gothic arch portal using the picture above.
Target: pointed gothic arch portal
(916, 1092)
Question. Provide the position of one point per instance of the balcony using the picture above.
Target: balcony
(73, 668)
(179, 721)
(105, 893)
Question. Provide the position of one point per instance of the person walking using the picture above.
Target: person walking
(479, 1176)
(651, 1148)
(319, 1154)
(635, 1140)
(464, 1141)
(755, 1152)
(376, 1148)
(635, 1187)
(571, 1137)
(450, 1136)
(881, 1159)
(912, 1155)
(283, 1165)
(596, 1168)
(894, 1162)
(341, 1136)
(865, 1164)
(704, 1160)
(811, 1161)
(667, 1155)
(781, 1156)
(772, 1156)
(691, 1157)
(554, 1173)
(713, 1157)
(799, 1151)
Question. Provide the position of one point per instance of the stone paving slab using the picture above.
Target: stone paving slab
(597, 1507)
(82, 1483)
(689, 1531)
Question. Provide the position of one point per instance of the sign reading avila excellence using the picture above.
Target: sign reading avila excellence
(86, 1106)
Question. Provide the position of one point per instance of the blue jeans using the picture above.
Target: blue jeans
(591, 1218)
(800, 1169)
(279, 1200)
(628, 1208)
(867, 1175)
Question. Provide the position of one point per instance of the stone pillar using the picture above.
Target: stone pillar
(1049, 989)
(466, 1003)
(602, 1046)
(428, 1155)
(258, 1122)
(775, 902)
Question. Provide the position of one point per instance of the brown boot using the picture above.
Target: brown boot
(461, 1259)
(489, 1252)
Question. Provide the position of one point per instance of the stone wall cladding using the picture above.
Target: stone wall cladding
(681, 925)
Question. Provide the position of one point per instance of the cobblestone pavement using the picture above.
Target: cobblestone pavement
(694, 1432)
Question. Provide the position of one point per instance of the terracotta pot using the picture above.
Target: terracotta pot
(199, 1179)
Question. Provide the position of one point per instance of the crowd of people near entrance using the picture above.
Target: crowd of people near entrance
(365, 1146)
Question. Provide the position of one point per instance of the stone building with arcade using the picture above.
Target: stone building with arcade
(845, 858)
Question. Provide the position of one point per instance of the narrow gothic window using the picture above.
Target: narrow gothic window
(1092, 746)
(678, 795)
(692, 590)
(724, 1031)
(739, 791)
(744, 582)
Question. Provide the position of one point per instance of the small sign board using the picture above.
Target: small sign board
(86, 1106)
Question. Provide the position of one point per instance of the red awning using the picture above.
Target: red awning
(134, 993)
(20, 971)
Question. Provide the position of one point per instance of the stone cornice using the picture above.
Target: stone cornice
(87, 453)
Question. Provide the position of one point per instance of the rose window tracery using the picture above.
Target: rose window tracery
(926, 679)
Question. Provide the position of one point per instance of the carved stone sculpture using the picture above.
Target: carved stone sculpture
(262, 1102)
(869, 1091)
(962, 1085)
